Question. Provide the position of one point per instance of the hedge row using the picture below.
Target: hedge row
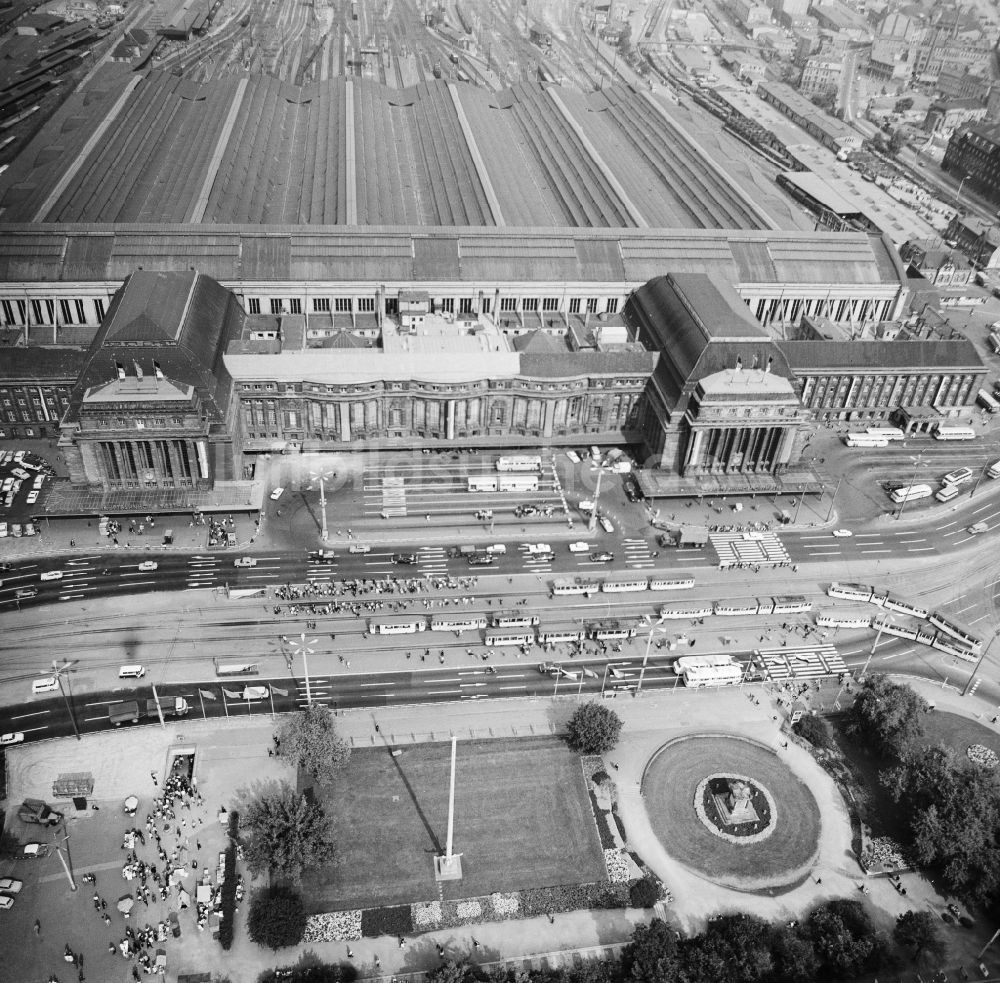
(227, 924)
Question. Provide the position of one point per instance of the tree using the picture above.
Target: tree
(794, 957)
(952, 813)
(919, 933)
(277, 917)
(815, 729)
(887, 715)
(652, 956)
(732, 949)
(844, 939)
(310, 741)
(593, 729)
(644, 893)
(287, 831)
(452, 971)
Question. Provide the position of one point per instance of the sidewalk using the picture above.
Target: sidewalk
(229, 754)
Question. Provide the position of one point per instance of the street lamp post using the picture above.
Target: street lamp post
(829, 515)
(979, 662)
(67, 867)
(322, 477)
(878, 638)
(961, 184)
(304, 649)
(917, 461)
(58, 672)
(645, 658)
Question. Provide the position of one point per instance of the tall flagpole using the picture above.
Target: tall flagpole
(449, 866)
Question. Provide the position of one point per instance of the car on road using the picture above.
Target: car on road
(631, 489)
(976, 528)
(6, 902)
(535, 548)
(35, 850)
(358, 548)
(842, 533)
(6, 740)
(497, 549)
(148, 565)
(322, 556)
(51, 575)
(606, 524)
(580, 547)
(3, 530)
(245, 561)
(277, 493)
(405, 558)
(32, 496)
(573, 456)
(11, 885)
(602, 556)
(481, 560)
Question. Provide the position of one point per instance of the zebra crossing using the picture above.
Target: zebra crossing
(799, 662)
(749, 549)
(432, 560)
(393, 496)
(637, 553)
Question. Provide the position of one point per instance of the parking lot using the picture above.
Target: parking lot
(24, 479)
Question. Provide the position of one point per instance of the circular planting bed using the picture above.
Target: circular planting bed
(688, 772)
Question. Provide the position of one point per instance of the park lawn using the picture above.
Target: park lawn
(669, 788)
(522, 819)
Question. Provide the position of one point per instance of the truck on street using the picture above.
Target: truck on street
(37, 811)
(124, 713)
(172, 706)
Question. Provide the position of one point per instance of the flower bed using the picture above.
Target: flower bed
(982, 756)
(395, 920)
(608, 841)
(736, 833)
(884, 853)
(618, 866)
(334, 926)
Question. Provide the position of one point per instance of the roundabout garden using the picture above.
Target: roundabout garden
(731, 810)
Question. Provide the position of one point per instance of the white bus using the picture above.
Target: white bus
(575, 585)
(946, 493)
(481, 483)
(731, 675)
(500, 636)
(890, 433)
(236, 669)
(396, 626)
(846, 618)
(520, 462)
(686, 662)
(993, 471)
(910, 493)
(625, 585)
(987, 402)
(959, 476)
(677, 581)
(517, 482)
(954, 433)
(865, 440)
(850, 592)
(696, 609)
(444, 622)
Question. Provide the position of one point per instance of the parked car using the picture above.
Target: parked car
(606, 524)
(573, 456)
(16, 531)
(277, 493)
(6, 740)
(11, 885)
(29, 529)
(32, 496)
(6, 902)
(3, 530)
(35, 850)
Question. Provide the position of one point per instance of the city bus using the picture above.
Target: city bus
(396, 626)
(623, 585)
(517, 482)
(865, 440)
(575, 585)
(520, 462)
(850, 592)
(889, 433)
(677, 581)
(236, 668)
(482, 483)
(960, 476)
(696, 609)
(686, 662)
(987, 402)
(954, 433)
(444, 622)
(910, 493)
(846, 618)
(497, 636)
(963, 635)
(731, 675)
(512, 619)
